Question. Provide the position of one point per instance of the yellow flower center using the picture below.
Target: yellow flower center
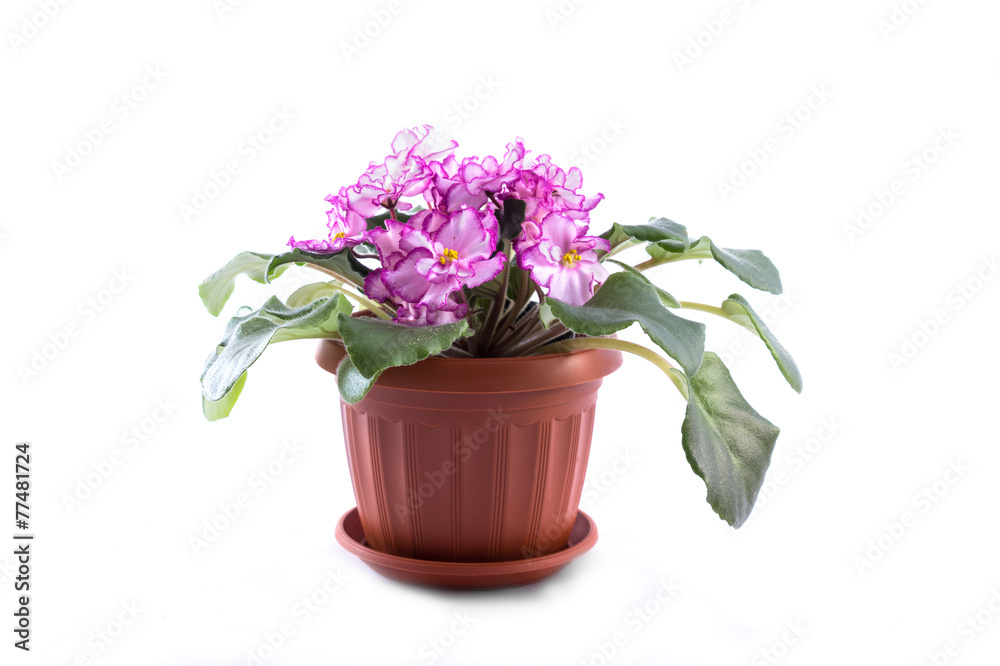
(448, 255)
(340, 235)
(570, 258)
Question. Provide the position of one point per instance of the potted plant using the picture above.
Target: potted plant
(469, 335)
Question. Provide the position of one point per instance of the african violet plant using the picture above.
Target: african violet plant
(498, 260)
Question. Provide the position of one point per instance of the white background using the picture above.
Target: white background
(662, 134)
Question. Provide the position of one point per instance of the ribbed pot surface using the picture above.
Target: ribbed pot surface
(473, 460)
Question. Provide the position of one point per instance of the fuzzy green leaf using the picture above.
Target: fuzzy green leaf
(250, 332)
(374, 344)
(661, 231)
(352, 384)
(343, 264)
(216, 289)
(751, 266)
(738, 309)
(625, 299)
(666, 299)
(310, 293)
(220, 409)
(727, 443)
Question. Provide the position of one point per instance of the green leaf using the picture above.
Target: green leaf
(352, 384)
(374, 344)
(216, 289)
(220, 409)
(666, 299)
(662, 230)
(738, 309)
(545, 314)
(344, 264)
(625, 299)
(727, 443)
(309, 293)
(751, 266)
(250, 332)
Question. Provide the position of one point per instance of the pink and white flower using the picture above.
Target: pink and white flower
(347, 229)
(428, 261)
(564, 260)
(404, 173)
(456, 252)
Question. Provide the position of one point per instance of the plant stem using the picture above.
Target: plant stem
(526, 344)
(342, 278)
(376, 308)
(523, 294)
(522, 327)
(684, 256)
(618, 248)
(675, 375)
(739, 320)
(688, 305)
(456, 352)
(490, 324)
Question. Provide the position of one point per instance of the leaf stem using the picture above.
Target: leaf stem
(342, 278)
(711, 309)
(376, 308)
(624, 245)
(689, 305)
(497, 305)
(683, 256)
(524, 344)
(523, 294)
(675, 375)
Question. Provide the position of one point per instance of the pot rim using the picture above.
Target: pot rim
(503, 374)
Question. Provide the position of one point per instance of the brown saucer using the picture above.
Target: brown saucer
(466, 575)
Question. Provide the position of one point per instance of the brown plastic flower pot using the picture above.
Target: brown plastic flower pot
(472, 460)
